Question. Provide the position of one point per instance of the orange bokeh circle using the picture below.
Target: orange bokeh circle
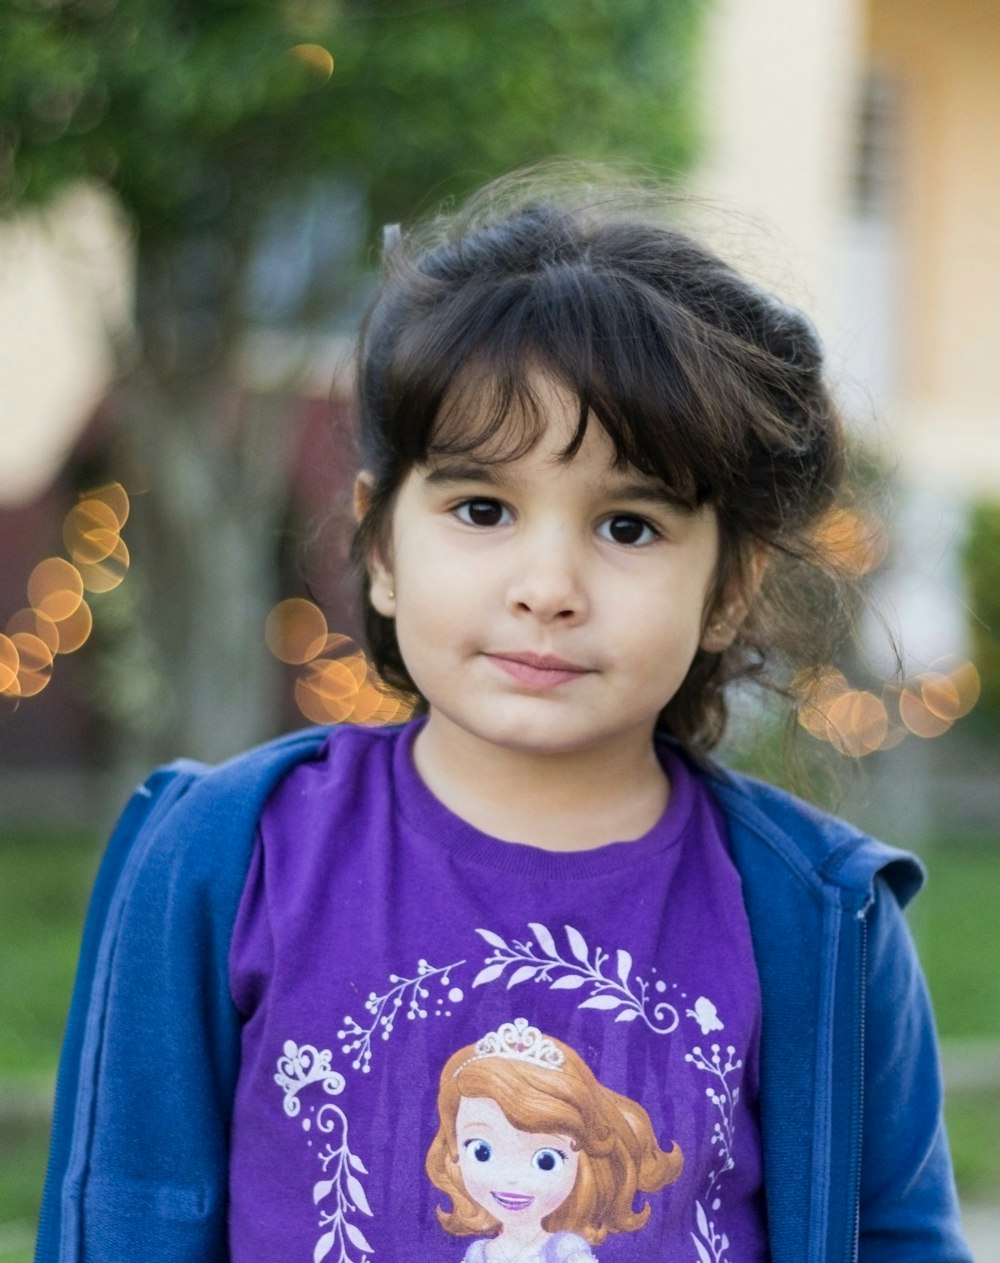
(90, 532)
(55, 588)
(295, 631)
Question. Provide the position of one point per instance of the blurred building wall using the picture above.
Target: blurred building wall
(863, 135)
(941, 65)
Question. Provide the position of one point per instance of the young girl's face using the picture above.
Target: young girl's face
(544, 604)
(518, 1177)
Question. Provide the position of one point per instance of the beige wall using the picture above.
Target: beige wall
(908, 298)
(943, 62)
(778, 85)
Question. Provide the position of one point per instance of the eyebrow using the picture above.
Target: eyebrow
(657, 494)
(442, 473)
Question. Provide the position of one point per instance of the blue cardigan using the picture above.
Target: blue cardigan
(855, 1158)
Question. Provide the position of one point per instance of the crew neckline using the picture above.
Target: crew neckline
(427, 816)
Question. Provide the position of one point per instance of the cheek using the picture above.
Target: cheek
(474, 1177)
(554, 1190)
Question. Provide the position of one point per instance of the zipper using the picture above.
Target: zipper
(862, 917)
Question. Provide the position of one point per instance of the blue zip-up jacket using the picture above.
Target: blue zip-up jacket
(855, 1158)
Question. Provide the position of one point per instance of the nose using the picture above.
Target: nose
(548, 580)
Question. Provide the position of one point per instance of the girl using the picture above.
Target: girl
(532, 1149)
(595, 464)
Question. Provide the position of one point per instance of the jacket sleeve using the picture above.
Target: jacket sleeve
(908, 1203)
(138, 1157)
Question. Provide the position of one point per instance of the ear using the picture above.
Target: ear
(734, 603)
(381, 591)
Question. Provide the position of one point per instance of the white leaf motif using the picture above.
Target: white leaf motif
(544, 939)
(357, 1194)
(568, 982)
(488, 974)
(323, 1246)
(578, 944)
(520, 975)
(703, 1254)
(601, 1002)
(356, 1162)
(624, 960)
(702, 1218)
(494, 940)
(321, 1190)
(627, 1015)
(357, 1237)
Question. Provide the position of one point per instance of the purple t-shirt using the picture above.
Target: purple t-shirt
(600, 1009)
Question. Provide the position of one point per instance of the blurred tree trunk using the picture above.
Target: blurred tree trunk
(213, 465)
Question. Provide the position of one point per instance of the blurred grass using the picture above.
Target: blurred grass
(45, 876)
(955, 921)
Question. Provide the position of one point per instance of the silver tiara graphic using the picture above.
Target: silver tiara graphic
(518, 1041)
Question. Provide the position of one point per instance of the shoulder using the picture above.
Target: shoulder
(567, 1247)
(189, 829)
(772, 831)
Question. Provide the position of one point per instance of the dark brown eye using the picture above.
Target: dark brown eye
(481, 512)
(626, 529)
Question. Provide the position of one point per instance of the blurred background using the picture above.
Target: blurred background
(191, 196)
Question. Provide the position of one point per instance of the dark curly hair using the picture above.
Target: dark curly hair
(699, 377)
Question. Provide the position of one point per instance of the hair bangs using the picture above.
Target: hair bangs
(614, 352)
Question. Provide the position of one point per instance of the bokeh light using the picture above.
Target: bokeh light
(917, 715)
(315, 58)
(336, 684)
(74, 631)
(295, 631)
(817, 692)
(90, 532)
(857, 722)
(34, 669)
(34, 623)
(10, 661)
(55, 588)
(58, 620)
(107, 574)
(114, 495)
(852, 543)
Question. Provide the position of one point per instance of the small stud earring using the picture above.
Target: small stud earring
(391, 594)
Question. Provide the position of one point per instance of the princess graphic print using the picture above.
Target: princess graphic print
(457, 1048)
(530, 1144)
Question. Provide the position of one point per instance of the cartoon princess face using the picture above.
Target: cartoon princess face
(518, 1177)
(531, 1145)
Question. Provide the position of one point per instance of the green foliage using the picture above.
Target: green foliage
(981, 558)
(198, 111)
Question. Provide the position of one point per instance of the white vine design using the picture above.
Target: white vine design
(346, 1190)
(541, 961)
(712, 1245)
(385, 1009)
(725, 1097)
